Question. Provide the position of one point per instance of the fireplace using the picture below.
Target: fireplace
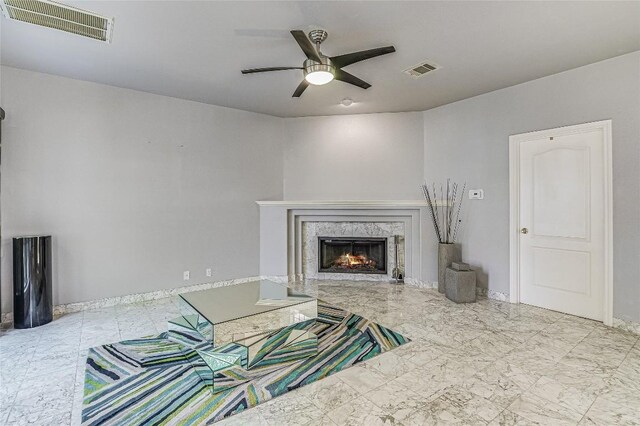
(352, 255)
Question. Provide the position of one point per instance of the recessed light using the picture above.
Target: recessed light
(347, 102)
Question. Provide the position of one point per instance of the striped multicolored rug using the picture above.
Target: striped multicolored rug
(157, 381)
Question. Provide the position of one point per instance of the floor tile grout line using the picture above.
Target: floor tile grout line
(360, 395)
(380, 387)
(628, 353)
(371, 306)
(558, 362)
(30, 358)
(587, 412)
(498, 415)
(73, 404)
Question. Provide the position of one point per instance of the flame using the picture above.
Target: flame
(348, 260)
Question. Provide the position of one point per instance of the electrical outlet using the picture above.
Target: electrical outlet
(476, 194)
(207, 272)
(185, 275)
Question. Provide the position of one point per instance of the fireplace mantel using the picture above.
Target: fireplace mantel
(344, 203)
(281, 224)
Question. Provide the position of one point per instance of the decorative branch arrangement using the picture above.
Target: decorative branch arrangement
(445, 210)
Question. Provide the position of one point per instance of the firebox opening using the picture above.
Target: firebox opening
(352, 255)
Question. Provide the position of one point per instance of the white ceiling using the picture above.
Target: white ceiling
(195, 50)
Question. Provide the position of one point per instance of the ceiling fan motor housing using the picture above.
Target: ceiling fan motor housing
(310, 65)
(318, 35)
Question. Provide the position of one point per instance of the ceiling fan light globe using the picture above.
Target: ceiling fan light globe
(318, 73)
(318, 78)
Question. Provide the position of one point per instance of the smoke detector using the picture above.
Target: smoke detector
(60, 17)
(347, 102)
(421, 69)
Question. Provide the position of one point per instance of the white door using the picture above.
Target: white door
(562, 221)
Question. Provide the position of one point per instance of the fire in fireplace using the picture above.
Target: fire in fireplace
(352, 255)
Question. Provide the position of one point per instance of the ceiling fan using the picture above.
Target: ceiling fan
(320, 69)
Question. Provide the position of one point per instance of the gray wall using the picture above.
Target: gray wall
(135, 188)
(468, 141)
(130, 208)
(354, 157)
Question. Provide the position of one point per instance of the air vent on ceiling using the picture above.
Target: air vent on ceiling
(420, 69)
(60, 17)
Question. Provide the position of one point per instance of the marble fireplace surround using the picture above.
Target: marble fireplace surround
(311, 230)
(282, 225)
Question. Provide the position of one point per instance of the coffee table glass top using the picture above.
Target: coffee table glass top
(245, 326)
(223, 304)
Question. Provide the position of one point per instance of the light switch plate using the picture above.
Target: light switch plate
(185, 275)
(476, 194)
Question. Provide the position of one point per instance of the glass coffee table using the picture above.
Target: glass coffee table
(243, 327)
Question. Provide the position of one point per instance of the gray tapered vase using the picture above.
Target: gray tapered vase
(447, 253)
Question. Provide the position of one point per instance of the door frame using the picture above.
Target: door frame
(514, 206)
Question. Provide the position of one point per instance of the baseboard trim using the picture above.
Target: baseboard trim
(627, 325)
(283, 278)
(482, 292)
(496, 295)
(414, 282)
(135, 298)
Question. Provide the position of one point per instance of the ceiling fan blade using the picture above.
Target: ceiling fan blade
(252, 70)
(351, 58)
(303, 85)
(306, 45)
(351, 79)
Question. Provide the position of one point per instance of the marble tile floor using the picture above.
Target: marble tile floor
(485, 363)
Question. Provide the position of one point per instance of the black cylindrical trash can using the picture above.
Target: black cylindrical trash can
(32, 302)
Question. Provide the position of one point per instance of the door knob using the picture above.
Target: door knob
(524, 231)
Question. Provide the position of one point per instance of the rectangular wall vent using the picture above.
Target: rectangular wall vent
(60, 17)
(420, 69)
